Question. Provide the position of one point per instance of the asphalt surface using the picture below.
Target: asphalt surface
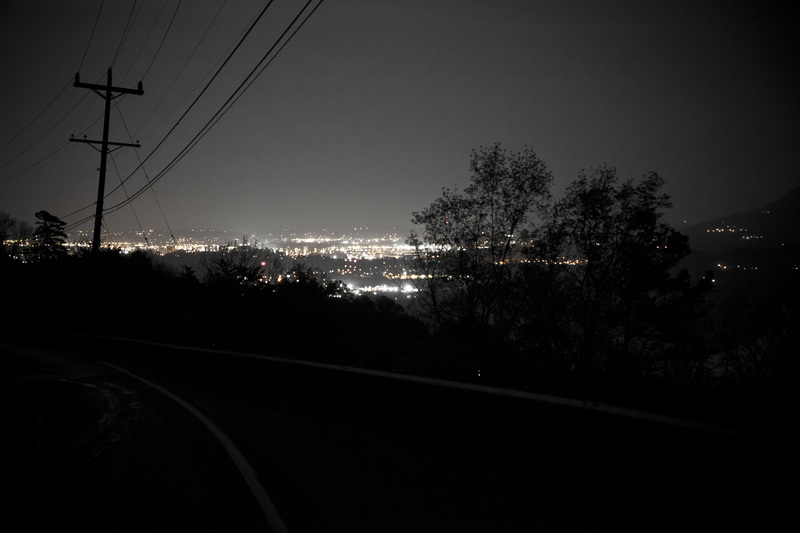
(87, 447)
(344, 450)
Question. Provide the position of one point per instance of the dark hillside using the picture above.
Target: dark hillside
(772, 226)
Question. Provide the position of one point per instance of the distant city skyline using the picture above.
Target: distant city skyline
(374, 107)
(363, 231)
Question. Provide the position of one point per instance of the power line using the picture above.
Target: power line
(37, 115)
(91, 35)
(42, 136)
(162, 40)
(80, 222)
(252, 25)
(179, 72)
(135, 216)
(150, 32)
(83, 58)
(218, 115)
(273, 57)
(48, 159)
(141, 162)
(125, 32)
(41, 160)
(223, 109)
(105, 143)
(29, 202)
(37, 163)
(136, 151)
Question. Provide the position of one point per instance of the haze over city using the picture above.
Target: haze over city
(373, 107)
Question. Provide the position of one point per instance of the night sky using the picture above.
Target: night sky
(374, 106)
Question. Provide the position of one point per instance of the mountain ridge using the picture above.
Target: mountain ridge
(774, 225)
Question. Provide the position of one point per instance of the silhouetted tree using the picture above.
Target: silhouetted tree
(303, 279)
(758, 336)
(272, 268)
(6, 228)
(49, 236)
(14, 235)
(240, 267)
(608, 259)
(466, 241)
(188, 275)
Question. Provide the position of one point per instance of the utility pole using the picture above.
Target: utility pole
(107, 92)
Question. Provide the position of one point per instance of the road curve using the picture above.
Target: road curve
(343, 450)
(271, 515)
(90, 447)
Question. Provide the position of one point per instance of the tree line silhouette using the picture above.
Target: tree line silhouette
(582, 296)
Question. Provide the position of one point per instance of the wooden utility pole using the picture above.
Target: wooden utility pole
(108, 93)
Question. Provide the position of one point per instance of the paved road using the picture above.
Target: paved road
(87, 447)
(340, 450)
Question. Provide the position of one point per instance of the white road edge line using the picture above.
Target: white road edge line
(484, 389)
(265, 503)
(511, 393)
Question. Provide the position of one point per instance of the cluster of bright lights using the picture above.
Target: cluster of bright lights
(562, 260)
(407, 289)
(737, 267)
(735, 229)
(352, 251)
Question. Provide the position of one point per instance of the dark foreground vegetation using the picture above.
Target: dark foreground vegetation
(584, 297)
